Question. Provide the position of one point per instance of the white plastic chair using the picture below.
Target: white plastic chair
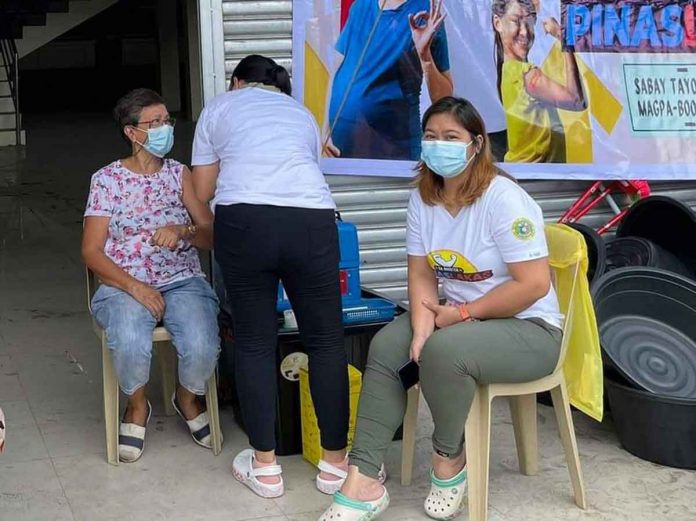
(522, 407)
(166, 354)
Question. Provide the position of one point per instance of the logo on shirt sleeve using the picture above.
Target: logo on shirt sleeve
(448, 264)
(523, 229)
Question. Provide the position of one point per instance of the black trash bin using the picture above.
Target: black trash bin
(647, 327)
(623, 252)
(666, 222)
(596, 252)
(655, 428)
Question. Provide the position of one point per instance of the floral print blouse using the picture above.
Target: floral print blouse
(137, 206)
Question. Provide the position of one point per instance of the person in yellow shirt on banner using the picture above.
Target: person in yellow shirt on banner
(530, 98)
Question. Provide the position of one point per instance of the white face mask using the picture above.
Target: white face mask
(446, 158)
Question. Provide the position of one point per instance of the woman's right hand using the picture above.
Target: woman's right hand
(150, 298)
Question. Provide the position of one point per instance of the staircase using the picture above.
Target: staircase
(26, 25)
(11, 132)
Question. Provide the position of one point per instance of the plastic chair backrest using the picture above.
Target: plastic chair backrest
(91, 287)
(567, 251)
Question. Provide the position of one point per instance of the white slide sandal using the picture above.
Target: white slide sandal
(244, 471)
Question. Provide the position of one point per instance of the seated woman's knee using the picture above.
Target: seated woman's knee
(437, 357)
(383, 351)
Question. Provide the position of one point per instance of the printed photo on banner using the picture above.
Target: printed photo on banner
(569, 89)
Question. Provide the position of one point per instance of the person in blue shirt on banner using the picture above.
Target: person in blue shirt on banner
(388, 48)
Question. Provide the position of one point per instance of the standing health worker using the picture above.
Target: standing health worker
(256, 156)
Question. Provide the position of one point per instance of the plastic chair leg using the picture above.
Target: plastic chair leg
(561, 406)
(211, 399)
(524, 420)
(478, 443)
(167, 360)
(111, 419)
(408, 444)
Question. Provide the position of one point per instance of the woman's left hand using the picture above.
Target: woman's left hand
(444, 315)
(168, 236)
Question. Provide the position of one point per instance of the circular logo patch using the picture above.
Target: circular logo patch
(523, 229)
(291, 364)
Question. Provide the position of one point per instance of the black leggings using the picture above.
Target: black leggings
(256, 246)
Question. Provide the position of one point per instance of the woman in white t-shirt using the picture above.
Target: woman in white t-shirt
(475, 231)
(256, 155)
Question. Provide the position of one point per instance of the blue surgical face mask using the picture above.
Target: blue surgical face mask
(160, 140)
(446, 158)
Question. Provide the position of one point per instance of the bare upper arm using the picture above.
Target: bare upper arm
(205, 180)
(94, 233)
(199, 211)
(418, 267)
(534, 273)
(539, 86)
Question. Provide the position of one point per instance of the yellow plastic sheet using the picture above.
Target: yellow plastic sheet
(583, 358)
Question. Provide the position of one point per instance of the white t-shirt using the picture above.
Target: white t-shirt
(268, 146)
(469, 252)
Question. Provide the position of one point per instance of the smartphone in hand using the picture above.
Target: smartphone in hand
(408, 374)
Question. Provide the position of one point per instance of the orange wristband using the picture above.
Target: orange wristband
(464, 313)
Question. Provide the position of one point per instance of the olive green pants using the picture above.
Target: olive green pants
(453, 360)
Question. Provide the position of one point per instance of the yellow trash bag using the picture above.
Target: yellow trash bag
(583, 361)
(311, 444)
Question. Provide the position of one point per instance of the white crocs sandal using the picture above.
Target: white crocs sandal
(345, 509)
(131, 439)
(244, 471)
(447, 496)
(199, 427)
(331, 486)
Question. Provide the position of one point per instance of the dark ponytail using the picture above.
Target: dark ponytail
(259, 69)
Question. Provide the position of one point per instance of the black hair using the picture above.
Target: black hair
(128, 108)
(259, 69)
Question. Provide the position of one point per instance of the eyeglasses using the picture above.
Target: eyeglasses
(157, 123)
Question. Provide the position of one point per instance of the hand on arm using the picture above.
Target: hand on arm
(422, 286)
(93, 241)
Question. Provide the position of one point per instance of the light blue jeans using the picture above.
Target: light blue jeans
(190, 317)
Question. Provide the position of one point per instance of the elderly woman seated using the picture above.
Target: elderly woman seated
(142, 226)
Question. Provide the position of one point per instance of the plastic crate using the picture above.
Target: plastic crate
(311, 442)
(369, 310)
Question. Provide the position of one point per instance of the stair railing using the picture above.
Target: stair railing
(10, 62)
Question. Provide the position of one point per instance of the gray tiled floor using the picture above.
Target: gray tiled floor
(50, 389)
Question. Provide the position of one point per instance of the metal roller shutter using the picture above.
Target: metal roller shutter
(257, 27)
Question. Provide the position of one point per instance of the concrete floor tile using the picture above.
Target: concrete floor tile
(30, 491)
(11, 387)
(174, 485)
(23, 440)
